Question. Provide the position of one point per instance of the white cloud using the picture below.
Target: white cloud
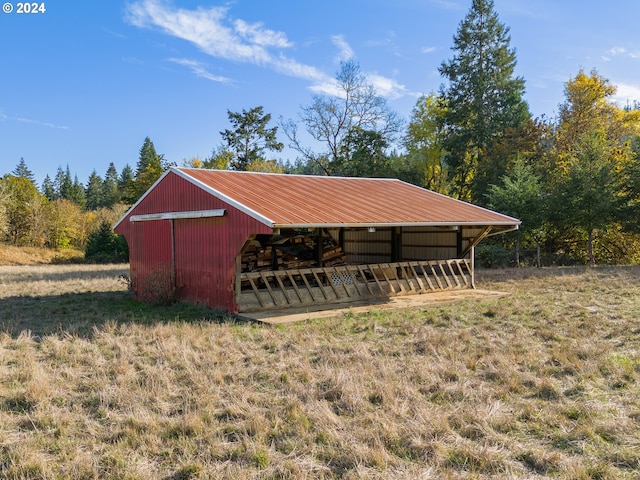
(429, 49)
(200, 70)
(626, 93)
(388, 87)
(616, 51)
(623, 51)
(345, 51)
(256, 34)
(213, 32)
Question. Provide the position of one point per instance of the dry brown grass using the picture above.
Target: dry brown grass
(10, 255)
(542, 384)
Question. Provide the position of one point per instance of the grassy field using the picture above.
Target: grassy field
(541, 384)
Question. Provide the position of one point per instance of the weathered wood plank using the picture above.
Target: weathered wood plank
(306, 286)
(282, 287)
(268, 285)
(294, 284)
(453, 273)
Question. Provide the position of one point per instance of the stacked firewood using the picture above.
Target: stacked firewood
(270, 252)
(259, 257)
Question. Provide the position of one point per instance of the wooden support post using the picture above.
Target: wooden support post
(396, 244)
(318, 251)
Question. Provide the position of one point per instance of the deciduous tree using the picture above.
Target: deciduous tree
(424, 142)
(329, 119)
(21, 194)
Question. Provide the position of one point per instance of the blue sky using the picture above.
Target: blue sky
(84, 83)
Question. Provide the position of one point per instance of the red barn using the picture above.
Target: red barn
(246, 241)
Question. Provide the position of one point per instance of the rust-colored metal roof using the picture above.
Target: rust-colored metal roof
(280, 200)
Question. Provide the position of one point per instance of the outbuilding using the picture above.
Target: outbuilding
(247, 241)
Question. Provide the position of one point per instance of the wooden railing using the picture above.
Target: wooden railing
(269, 289)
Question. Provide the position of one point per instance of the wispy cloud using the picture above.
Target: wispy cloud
(616, 51)
(42, 124)
(114, 34)
(200, 70)
(345, 52)
(427, 50)
(254, 33)
(387, 87)
(215, 33)
(4, 117)
(447, 4)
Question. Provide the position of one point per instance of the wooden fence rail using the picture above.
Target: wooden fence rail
(347, 283)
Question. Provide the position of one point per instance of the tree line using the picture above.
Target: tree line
(573, 180)
(64, 213)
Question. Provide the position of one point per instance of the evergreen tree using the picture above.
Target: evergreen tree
(111, 195)
(77, 193)
(483, 99)
(590, 180)
(250, 137)
(94, 193)
(48, 189)
(149, 168)
(588, 196)
(63, 184)
(22, 171)
(521, 196)
(104, 246)
(125, 185)
(362, 155)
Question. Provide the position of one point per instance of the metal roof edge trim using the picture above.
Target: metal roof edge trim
(144, 195)
(240, 172)
(514, 224)
(243, 208)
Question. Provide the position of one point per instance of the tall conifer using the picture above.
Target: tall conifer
(483, 98)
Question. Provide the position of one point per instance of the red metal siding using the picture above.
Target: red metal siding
(204, 249)
(150, 259)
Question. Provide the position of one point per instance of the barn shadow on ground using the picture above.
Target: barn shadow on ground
(82, 314)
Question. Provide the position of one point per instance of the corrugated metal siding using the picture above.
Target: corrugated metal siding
(418, 243)
(362, 246)
(316, 200)
(205, 249)
(150, 259)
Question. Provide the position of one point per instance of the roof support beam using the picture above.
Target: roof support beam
(475, 241)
